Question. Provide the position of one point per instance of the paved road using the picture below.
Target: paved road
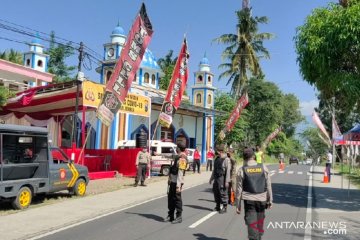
(146, 221)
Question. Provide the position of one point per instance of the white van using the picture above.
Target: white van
(161, 154)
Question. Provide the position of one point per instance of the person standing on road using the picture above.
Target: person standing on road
(210, 157)
(259, 155)
(142, 162)
(231, 188)
(329, 161)
(197, 157)
(254, 187)
(221, 178)
(175, 183)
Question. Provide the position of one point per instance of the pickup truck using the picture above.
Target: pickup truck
(30, 166)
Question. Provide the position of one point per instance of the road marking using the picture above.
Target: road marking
(281, 171)
(38, 236)
(300, 172)
(309, 173)
(273, 171)
(290, 172)
(200, 221)
(271, 174)
(307, 235)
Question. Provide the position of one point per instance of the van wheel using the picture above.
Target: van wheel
(165, 170)
(23, 198)
(80, 187)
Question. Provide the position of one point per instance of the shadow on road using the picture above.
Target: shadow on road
(200, 236)
(199, 207)
(149, 216)
(207, 190)
(323, 197)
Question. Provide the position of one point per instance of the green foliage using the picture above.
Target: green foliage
(167, 65)
(12, 56)
(328, 48)
(317, 146)
(243, 50)
(57, 56)
(268, 109)
(224, 102)
(5, 94)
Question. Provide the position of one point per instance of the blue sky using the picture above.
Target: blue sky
(201, 20)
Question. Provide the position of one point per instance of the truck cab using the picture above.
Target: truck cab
(30, 166)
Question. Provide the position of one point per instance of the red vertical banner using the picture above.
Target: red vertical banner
(126, 67)
(176, 87)
(271, 136)
(235, 115)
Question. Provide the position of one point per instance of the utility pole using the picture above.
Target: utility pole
(79, 77)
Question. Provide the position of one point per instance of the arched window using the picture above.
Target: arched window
(40, 63)
(200, 78)
(153, 79)
(198, 98)
(209, 100)
(27, 62)
(209, 79)
(146, 77)
(108, 75)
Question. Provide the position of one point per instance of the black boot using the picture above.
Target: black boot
(177, 220)
(136, 184)
(169, 218)
(143, 184)
(223, 210)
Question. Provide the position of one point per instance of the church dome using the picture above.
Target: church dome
(204, 61)
(118, 30)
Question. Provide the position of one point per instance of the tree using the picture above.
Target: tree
(167, 65)
(328, 49)
(4, 95)
(57, 55)
(316, 146)
(12, 56)
(243, 50)
(225, 103)
(291, 114)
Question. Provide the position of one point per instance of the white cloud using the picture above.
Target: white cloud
(307, 108)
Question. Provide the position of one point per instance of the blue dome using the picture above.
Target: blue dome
(36, 40)
(149, 60)
(204, 61)
(118, 31)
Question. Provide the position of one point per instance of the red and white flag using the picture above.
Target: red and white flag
(271, 136)
(235, 115)
(126, 67)
(176, 87)
(335, 130)
(320, 125)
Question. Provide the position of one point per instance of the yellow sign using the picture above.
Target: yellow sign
(137, 105)
(254, 170)
(92, 93)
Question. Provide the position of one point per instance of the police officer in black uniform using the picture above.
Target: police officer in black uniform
(175, 182)
(221, 177)
(254, 187)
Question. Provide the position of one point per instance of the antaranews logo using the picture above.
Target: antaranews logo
(328, 227)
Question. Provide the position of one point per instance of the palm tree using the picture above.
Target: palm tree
(243, 51)
(167, 65)
(12, 56)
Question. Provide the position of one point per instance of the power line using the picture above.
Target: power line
(13, 40)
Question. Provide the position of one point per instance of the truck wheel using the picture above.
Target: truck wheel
(23, 198)
(165, 170)
(80, 187)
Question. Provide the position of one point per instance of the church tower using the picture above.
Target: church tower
(203, 96)
(203, 90)
(35, 58)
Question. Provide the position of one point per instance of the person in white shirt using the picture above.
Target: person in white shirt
(328, 164)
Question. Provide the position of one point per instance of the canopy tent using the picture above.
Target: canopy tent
(44, 102)
(353, 134)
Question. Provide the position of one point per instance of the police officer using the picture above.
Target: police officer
(254, 187)
(221, 178)
(142, 162)
(176, 181)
